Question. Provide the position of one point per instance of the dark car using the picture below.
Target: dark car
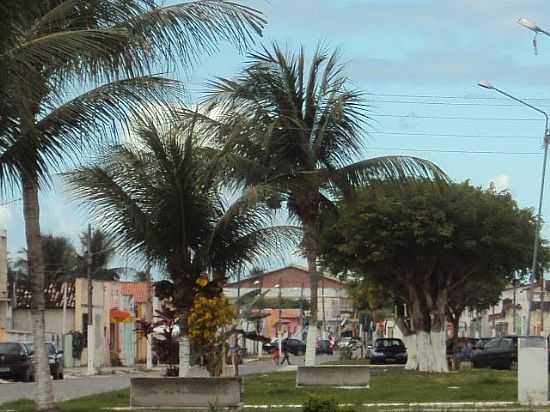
(15, 361)
(388, 350)
(498, 353)
(324, 346)
(294, 346)
(55, 359)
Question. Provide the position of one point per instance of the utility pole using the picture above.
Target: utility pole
(514, 321)
(323, 304)
(149, 355)
(90, 326)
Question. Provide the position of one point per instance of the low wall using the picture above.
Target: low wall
(333, 375)
(176, 392)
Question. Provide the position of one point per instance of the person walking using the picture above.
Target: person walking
(286, 353)
(275, 356)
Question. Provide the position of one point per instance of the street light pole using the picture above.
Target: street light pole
(487, 85)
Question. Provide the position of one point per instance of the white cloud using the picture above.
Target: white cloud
(501, 182)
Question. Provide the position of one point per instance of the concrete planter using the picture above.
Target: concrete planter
(192, 393)
(333, 375)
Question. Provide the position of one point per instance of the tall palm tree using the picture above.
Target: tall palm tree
(159, 199)
(102, 251)
(53, 44)
(299, 130)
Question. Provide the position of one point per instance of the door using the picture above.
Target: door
(488, 357)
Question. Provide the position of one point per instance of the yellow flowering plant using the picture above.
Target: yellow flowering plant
(208, 320)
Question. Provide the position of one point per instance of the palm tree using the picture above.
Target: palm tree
(298, 130)
(55, 44)
(159, 199)
(102, 251)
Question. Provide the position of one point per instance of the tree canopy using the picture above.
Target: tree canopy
(428, 243)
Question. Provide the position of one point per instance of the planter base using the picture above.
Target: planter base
(186, 393)
(352, 376)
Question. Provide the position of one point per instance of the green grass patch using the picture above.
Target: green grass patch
(387, 385)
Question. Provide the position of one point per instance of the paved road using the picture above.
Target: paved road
(66, 389)
(78, 386)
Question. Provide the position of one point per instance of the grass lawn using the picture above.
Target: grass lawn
(389, 385)
(395, 385)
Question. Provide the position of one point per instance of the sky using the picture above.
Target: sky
(420, 62)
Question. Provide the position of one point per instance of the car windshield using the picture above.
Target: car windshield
(10, 348)
(388, 343)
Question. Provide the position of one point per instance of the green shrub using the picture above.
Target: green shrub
(315, 404)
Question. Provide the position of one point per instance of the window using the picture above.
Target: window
(389, 343)
(507, 343)
(10, 348)
(492, 344)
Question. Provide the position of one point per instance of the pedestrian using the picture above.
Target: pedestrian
(275, 356)
(286, 353)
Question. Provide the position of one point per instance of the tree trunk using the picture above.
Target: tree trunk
(31, 210)
(455, 321)
(311, 343)
(412, 359)
(184, 347)
(430, 340)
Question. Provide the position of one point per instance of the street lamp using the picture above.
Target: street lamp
(530, 25)
(487, 85)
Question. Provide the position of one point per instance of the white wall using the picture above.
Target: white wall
(54, 320)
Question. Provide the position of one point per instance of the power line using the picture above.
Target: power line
(408, 149)
(9, 202)
(445, 103)
(414, 116)
(474, 136)
(432, 96)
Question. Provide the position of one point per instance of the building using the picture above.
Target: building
(499, 319)
(291, 285)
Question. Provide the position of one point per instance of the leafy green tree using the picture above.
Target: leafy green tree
(427, 244)
(293, 130)
(55, 46)
(158, 199)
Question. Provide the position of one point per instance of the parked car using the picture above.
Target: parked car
(388, 350)
(55, 359)
(324, 346)
(348, 341)
(294, 346)
(15, 361)
(498, 353)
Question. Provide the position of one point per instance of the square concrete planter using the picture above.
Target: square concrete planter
(333, 375)
(186, 393)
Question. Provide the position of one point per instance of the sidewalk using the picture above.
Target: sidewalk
(141, 368)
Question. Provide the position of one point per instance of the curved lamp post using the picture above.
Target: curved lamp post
(487, 85)
(530, 25)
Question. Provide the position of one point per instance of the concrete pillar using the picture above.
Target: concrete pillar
(532, 370)
(4, 301)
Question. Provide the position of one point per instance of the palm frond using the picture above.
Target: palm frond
(384, 168)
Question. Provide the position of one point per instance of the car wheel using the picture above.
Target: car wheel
(27, 376)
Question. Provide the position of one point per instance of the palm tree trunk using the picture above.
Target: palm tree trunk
(311, 343)
(31, 210)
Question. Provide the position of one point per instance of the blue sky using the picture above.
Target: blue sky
(420, 61)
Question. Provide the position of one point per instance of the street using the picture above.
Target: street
(75, 386)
